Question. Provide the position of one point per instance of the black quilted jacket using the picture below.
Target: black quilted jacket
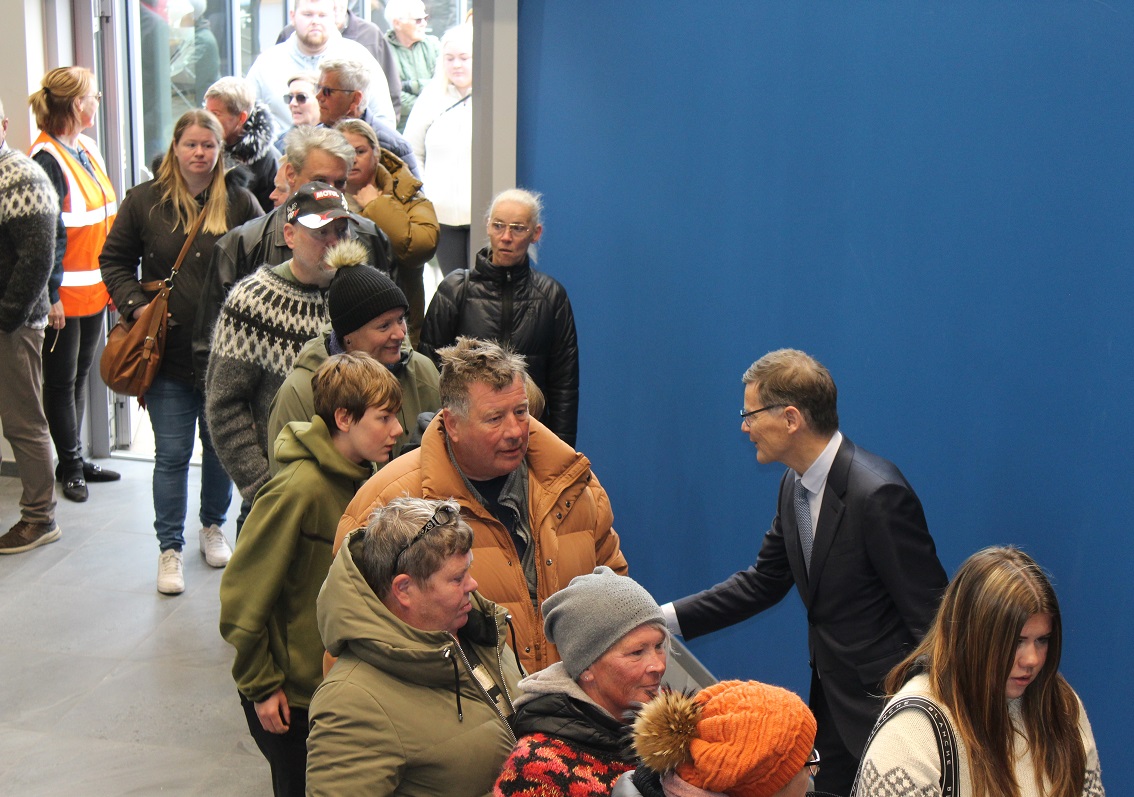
(523, 309)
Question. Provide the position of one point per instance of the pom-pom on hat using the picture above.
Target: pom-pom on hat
(740, 738)
(314, 205)
(585, 618)
(359, 293)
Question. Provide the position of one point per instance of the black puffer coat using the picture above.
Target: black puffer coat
(523, 309)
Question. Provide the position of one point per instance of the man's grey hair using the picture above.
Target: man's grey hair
(352, 74)
(235, 92)
(400, 9)
(472, 360)
(302, 140)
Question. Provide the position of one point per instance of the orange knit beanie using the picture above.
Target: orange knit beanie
(742, 738)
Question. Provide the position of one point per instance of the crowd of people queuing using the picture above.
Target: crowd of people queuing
(426, 594)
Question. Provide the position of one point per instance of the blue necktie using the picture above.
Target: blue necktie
(803, 521)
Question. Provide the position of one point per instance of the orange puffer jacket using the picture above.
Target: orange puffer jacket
(569, 514)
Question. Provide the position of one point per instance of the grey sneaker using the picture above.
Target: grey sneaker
(170, 576)
(214, 546)
(24, 536)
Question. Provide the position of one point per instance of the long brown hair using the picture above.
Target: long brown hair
(175, 190)
(53, 105)
(968, 655)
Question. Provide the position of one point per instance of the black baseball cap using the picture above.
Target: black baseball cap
(314, 205)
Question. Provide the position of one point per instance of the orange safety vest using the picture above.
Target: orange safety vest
(89, 209)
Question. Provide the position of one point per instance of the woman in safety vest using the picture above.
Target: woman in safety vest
(65, 106)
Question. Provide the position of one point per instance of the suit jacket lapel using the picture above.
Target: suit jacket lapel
(830, 514)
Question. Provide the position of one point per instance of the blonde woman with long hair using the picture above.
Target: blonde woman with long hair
(990, 664)
(153, 224)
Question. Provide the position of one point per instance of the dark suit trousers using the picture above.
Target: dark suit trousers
(837, 765)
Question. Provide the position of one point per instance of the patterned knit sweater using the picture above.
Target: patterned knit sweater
(29, 210)
(902, 759)
(265, 321)
(567, 747)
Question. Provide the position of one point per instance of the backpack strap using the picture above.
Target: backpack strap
(946, 740)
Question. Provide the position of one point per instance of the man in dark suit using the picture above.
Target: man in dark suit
(868, 574)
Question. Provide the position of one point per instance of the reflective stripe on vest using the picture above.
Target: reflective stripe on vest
(78, 279)
(88, 212)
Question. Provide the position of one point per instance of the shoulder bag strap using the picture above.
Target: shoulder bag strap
(946, 740)
(168, 281)
(188, 243)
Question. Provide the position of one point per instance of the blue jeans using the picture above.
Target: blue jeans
(176, 409)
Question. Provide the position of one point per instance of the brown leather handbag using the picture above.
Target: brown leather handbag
(134, 348)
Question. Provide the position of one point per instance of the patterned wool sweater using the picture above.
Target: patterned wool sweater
(265, 321)
(567, 745)
(29, 209)
(902, 759)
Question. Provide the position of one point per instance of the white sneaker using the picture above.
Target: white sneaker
(170, 576)
(215, 547)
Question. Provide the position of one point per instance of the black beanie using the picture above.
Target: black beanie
(358, 295)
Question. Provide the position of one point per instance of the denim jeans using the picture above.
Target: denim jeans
(176, 409)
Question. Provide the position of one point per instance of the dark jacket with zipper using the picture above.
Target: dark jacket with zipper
(567, 744)
(521, 308)
(143, 234)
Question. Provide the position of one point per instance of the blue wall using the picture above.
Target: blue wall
(935, 199)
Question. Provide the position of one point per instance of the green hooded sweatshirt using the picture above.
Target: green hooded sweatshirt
(270, 585)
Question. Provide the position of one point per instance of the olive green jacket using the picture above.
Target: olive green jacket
(400, 712)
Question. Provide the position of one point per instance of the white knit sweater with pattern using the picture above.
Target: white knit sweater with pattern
(902, 759)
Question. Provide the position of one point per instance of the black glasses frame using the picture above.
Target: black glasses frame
(812, 764)
(745, 415)
(443, 516)
(327, 91)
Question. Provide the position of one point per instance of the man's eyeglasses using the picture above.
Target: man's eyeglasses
(298, 96)
(746, 416)
(420, 20)
(327, 91)
(444, 515)
(499, 227)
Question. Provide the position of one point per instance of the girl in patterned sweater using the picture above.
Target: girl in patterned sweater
(990, 663)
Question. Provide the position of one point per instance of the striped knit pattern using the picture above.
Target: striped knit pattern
(263, 325)
(29, 210)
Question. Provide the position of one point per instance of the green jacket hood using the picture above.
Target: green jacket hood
(352, 617)
(311, 440)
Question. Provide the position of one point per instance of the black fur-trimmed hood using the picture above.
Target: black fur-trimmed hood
(259, 135)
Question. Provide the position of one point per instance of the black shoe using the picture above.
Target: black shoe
(94, 473)
(75, 490)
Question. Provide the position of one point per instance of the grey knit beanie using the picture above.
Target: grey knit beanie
(358, 295)
(586, 618)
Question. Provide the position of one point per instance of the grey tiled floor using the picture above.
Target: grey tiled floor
(106, 686)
